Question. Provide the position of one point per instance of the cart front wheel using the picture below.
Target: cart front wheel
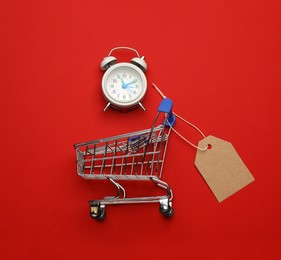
(167, 212)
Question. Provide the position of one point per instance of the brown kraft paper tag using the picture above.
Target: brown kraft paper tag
(221, 167)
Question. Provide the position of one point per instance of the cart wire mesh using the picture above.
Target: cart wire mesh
(134, 156)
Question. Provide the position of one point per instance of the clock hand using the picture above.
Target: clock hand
(123, 84)
(131, 82)
(126, 85)
(129, 88)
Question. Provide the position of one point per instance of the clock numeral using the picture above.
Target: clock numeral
(114, 91)
(114, 80)
(124, 96)
(118, 76)
(124, 75)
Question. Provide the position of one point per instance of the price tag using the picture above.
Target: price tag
(221, 167)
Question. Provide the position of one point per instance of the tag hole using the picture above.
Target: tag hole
(209, 146)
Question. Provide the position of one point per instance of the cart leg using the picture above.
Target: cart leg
(164, 186)
(119, 189)
(165, 203)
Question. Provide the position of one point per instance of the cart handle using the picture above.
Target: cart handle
(166, 107)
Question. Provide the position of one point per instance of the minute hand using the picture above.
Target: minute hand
(131, 82)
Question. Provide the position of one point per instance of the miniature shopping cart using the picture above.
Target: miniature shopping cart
(133, 156)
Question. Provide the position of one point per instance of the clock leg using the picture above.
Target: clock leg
(140, 104)
(106, 107)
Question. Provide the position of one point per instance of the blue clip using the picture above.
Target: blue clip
(166, 107)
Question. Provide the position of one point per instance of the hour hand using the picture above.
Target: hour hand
(123, 83)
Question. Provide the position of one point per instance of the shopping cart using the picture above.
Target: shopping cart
(133, 156)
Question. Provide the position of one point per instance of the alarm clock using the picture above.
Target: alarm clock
(124, 84)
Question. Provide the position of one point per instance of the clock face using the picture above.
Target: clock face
(124, 85)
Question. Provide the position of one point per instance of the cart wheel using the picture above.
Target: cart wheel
(98, 212)
(101, 214)
(94, 211)
(167, 212)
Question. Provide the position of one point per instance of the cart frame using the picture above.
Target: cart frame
(135, 156)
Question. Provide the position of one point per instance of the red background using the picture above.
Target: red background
(220, 63)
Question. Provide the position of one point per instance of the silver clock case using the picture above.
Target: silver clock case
(107, 62)
(123, 105)
(140, 62)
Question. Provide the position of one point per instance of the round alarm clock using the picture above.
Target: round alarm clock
(124, 84)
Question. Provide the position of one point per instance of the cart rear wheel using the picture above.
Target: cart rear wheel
(101, 215)
(94, 211)
(98, 212)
